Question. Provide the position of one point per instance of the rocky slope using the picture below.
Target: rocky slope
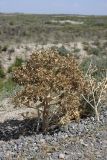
(84, 140)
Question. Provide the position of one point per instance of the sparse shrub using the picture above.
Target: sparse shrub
(62, 51)
(105, 44)
(96, 43)
(54, 84)
(85, 43)
(4, 48)
(2, 74)
(7, 87)
(0, 47)
(86, 47)
(85, 64)
(94, 51)
(100, 64)
(1, 84)
(98, 89)
(10, 51)
(76, 50)
(11, 23)
(18, 62)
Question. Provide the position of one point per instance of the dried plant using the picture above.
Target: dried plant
(96, 96)
(53, 83)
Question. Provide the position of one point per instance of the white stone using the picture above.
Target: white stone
(42, 141)
(61, 156)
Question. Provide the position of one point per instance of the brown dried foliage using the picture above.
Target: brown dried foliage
(54, 84)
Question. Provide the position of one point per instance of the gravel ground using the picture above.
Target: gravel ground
(86, 140)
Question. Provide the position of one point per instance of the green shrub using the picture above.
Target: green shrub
(85, 64)
(1, 84)
(9, 85)
(2, 74)
(96, 43)
(11, 23)
(76, 50)
(85, 43)
(94, 51)
(18, 62)
(86, 47)
(63, 51)
(8, 88)
(105, 44)
(4, 48)
(0, 47)
(100, 64)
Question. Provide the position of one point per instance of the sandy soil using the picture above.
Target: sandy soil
(25, 50)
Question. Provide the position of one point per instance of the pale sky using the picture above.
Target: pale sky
(92, 7)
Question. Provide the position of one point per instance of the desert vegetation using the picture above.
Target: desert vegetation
(56, 87)
(53, 81)
(19, 28)
(53, 86)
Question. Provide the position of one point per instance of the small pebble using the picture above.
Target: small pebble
(42, 141)
(61, 156)
(72, 142)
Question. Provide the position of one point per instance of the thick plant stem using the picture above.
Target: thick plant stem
(97, 114)
(45, 123)
(38, 123)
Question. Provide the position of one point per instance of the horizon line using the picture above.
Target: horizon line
(75, 14)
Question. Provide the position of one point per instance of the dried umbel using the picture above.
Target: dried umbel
(98, 90)
(54, 84)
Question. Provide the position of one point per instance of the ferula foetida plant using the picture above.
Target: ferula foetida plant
(53, 83)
